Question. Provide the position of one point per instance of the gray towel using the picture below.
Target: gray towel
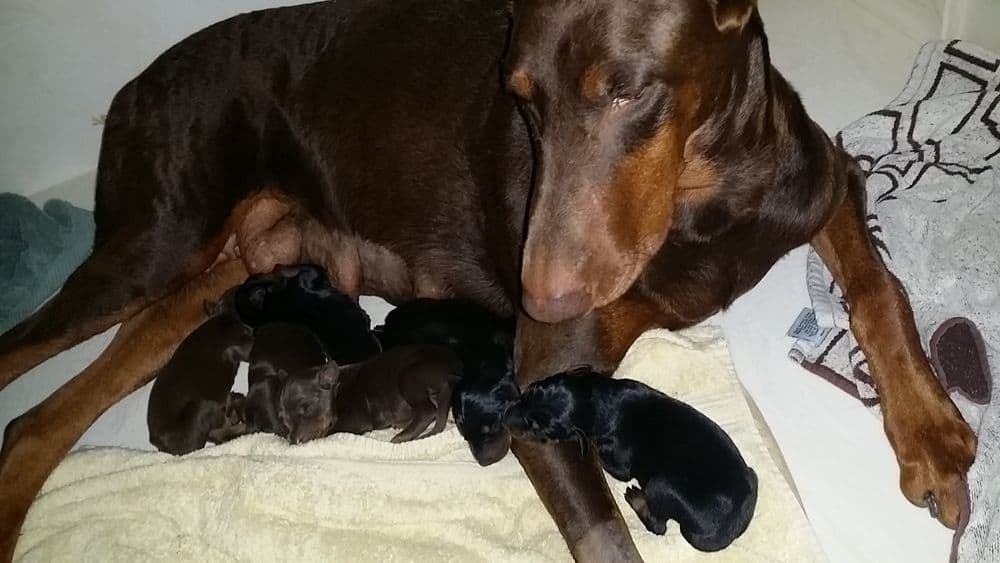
(39, 249)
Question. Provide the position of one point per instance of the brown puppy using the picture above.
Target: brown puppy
(191, 401)
(407, 387)
(277, 347)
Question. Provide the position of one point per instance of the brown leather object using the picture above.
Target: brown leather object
(960, 360)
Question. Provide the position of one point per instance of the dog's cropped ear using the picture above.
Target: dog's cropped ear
(328, 376)
(732, 15)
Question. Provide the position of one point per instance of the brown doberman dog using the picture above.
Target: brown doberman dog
(596, 167)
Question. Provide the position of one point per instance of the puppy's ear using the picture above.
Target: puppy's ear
(282, 375)
(328, 376)
(581, 439)
(732, 15)
(256, 296)
(209, 307)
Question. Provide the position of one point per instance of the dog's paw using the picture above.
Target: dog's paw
(934, 457)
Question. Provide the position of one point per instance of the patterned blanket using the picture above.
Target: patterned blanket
(931, 158)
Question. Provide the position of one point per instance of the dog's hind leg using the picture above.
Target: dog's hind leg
(35, 442)
(443, 401)
(120, 277)
(423, 415)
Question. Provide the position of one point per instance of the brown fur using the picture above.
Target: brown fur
(408, 388)
(416, 159)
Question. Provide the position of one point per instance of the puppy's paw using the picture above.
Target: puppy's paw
(637, 500)
(634, 495)
(934, 454)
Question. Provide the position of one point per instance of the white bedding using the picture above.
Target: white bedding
(360, 498)
(846, 57)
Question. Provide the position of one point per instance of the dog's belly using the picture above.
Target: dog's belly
(272, 231)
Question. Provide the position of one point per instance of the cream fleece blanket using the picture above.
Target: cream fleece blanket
(360, 498)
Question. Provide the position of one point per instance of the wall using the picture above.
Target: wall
(975, 20)
(61, 61)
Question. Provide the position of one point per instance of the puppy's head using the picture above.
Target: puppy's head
(478, 405)
(545, 412)
(255, 299)
(306, 406)
(308, 277)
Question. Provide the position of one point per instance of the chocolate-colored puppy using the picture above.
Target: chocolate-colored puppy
(406, 387)
(303, 295)
(277, 346)
(191, 401)
(485, 344)
(687, 467)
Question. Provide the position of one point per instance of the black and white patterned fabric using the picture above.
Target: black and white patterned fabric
(932, 159)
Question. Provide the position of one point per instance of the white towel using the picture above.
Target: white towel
(359, 498)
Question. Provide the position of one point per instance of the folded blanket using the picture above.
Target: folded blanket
(359, 498)
(934, 215)
(39, 249)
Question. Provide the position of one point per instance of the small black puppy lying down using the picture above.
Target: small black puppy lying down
(406, 387)
(484, 342)
(191, 402)
(687, 467)
(303, 295)
(277, 347)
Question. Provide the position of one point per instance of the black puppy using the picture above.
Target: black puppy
(687, 467)
(277, 347)
(485, 344)
(191, 401)
(303, 295)
(406, 387)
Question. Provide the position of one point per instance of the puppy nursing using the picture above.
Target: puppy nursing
(191, 401)
(435, 349)
(406, 388)
(485, 344)
(686, 467)
(317, 368)
(278, 348)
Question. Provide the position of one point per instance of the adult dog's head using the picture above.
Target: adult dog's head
(612, 91)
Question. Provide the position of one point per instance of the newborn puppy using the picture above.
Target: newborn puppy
(303, 295)
(277, 347)
(461, 325)
(191, 400)
(485, 344)
(687, 467)
(478, 404)
(406, 387)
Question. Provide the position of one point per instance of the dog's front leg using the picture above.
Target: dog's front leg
(933, 445)
(569, 482)
(36, 442)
